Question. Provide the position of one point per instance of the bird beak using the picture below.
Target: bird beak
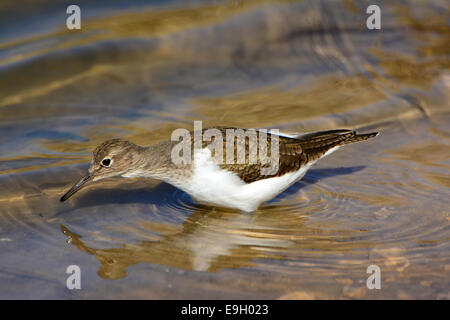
(76, 187)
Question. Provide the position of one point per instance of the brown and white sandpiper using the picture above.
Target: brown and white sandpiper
(239, 185)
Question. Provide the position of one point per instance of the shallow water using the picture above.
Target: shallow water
(138, 71)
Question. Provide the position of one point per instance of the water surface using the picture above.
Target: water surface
(138, 71)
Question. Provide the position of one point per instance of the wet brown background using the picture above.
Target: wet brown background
(138, 70)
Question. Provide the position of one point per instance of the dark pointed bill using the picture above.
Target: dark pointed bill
(76, 187)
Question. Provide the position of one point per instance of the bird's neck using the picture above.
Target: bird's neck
(151, 162)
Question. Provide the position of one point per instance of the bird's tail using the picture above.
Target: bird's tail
(333, 138)
(316, 144)
(355, 137)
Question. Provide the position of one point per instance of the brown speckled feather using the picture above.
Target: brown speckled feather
(294, 152)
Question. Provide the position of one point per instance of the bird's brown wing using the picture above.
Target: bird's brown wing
(293, 152)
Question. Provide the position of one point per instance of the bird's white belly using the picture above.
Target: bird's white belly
(212, 185)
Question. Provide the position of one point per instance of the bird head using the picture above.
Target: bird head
(111, 158)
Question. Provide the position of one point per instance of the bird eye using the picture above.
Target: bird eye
(106, 162)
